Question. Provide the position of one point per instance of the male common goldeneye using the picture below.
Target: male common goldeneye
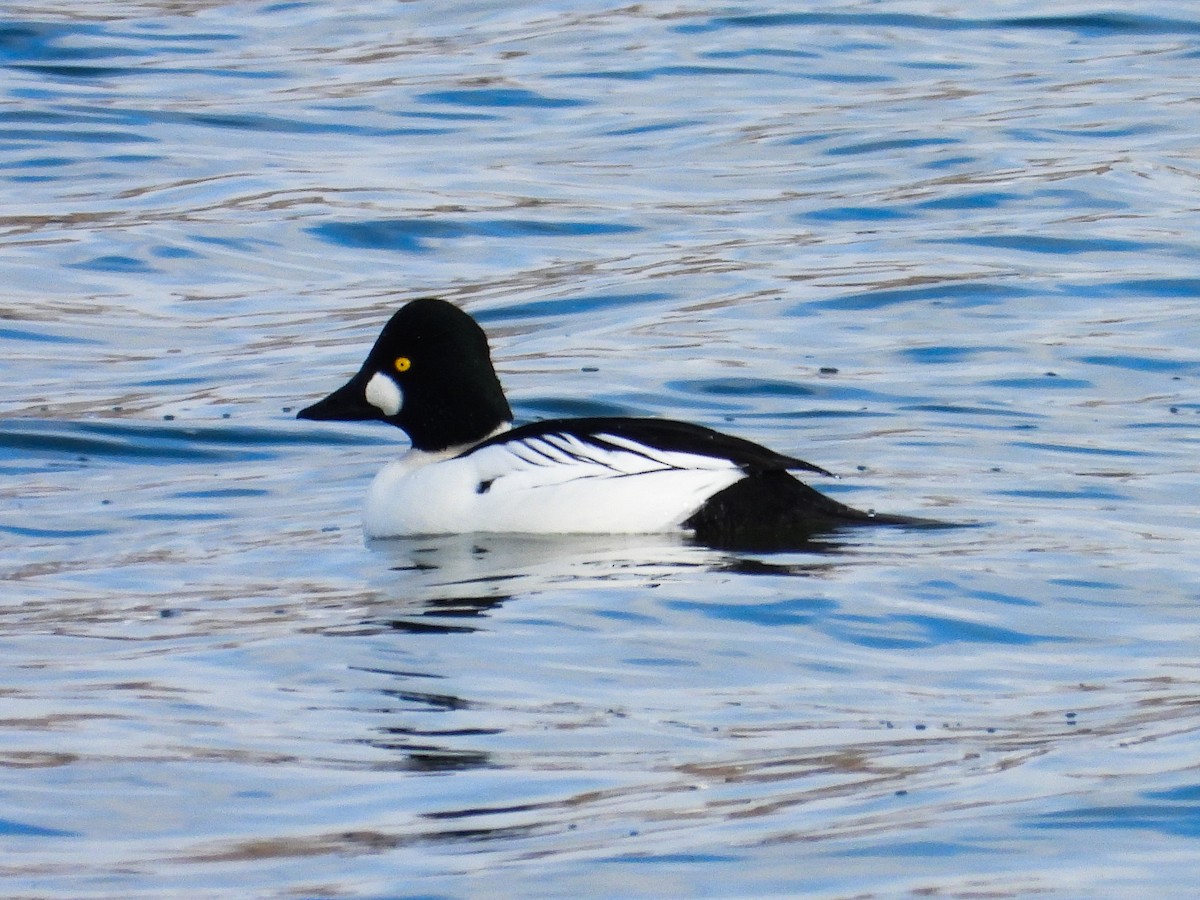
(430, 373)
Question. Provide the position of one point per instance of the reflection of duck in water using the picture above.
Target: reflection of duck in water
(430, 373)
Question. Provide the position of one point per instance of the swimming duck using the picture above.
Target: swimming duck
(469, 470)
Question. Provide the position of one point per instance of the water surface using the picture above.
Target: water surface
(947, 252)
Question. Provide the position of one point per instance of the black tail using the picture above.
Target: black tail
(774, 511)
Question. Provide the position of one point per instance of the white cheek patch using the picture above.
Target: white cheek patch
(384, 394)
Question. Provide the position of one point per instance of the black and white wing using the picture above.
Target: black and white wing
(657, 442)
(560, 453)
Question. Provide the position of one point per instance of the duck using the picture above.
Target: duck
(469, 469)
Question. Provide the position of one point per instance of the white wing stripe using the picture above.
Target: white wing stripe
(556, 457)
(675, 459)
(573, 450)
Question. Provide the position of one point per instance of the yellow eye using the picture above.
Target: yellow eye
(402, 363)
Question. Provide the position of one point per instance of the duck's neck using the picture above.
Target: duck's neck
(417, 456)
(463, 448)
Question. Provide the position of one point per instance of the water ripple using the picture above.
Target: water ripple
(1095, 25)
(498, 97)
(413, 235)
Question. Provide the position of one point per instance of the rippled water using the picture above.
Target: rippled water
(946, 251)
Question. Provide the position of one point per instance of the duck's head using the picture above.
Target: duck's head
(430, 373)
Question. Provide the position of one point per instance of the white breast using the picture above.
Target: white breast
(550, 484)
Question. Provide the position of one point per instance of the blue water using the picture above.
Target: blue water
(947, 251)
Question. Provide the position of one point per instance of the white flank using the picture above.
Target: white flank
(550, 484)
